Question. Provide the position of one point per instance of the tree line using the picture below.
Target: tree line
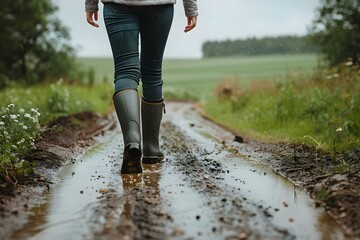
(334, 33)
(259, 46)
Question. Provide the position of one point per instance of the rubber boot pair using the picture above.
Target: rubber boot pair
(127, 108)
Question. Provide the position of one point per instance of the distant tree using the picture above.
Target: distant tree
(33, 43)
(336, 29)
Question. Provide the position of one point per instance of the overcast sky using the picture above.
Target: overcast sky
(218, 20)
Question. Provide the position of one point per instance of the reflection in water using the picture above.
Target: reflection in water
(36, 222)
(142, 204)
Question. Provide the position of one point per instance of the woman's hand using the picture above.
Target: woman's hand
(91, 20)
(191, 23)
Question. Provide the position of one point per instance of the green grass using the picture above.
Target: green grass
(79, 98)
(198, 77)
(320, 109)
(22, 111)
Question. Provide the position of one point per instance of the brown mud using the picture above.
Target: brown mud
(208, 187)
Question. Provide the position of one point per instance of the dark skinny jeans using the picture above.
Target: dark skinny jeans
(124, 24)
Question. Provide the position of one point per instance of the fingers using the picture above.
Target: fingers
(96, 15)
(90, 20)
(191, 24)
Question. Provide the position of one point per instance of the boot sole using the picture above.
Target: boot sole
(152, 159)
(131, 159)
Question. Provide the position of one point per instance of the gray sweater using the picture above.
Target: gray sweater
(189, 5)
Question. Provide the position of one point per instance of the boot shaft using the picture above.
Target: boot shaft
(127, 108)
(151, 116)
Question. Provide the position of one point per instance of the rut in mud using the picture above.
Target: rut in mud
(201, 191)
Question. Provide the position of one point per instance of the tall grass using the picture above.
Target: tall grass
(322, 108)
(22, 111)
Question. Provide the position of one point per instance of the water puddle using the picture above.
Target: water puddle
(67, 207)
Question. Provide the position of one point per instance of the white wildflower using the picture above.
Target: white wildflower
(27, 115)
(21, 110)
(348, 63)
(25, 127)
(35, 111)
(60, 81)
(11, 105)
(13, 116)
(2, 123)
(339, 129)
(6, 133)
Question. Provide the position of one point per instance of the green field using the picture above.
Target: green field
(200, 76)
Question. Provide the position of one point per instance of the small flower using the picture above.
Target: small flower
(13, 116)
(25, 127)
(21, 110)
(6, 133)
(27, 115)
(11, 105)
(339, 129)
(348, 63)
(2, 123)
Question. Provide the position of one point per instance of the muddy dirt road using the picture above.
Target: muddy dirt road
(203, 190)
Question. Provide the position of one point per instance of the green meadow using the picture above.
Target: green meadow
(275, 98)
(199, 77)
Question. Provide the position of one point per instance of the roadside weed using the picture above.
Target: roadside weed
(324, 105)
(20, 117)
(19, 128)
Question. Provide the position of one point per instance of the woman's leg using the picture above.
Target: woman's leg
(155, 24)
(122, 25)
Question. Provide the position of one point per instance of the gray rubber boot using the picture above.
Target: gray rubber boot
(127, 108)
(151, 115)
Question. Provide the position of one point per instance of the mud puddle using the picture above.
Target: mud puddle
(67, 208)
(201, 191)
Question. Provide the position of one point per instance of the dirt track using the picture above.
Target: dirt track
(208, 187)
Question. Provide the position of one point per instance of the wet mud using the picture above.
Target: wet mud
(208, 187)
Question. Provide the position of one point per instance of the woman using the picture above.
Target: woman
(125, 21)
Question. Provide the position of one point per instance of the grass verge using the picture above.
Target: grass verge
(24, 110)
(321, 109)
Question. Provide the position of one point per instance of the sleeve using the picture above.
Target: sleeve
(191, 9)
(91, 5)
